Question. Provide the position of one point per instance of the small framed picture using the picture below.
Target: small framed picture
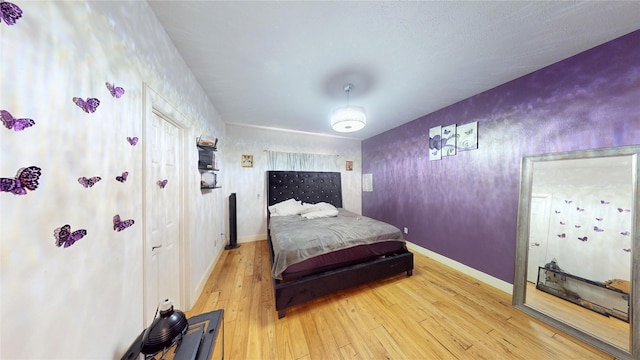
(349, 165)
(247, 160)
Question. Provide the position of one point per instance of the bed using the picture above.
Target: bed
(306, 264)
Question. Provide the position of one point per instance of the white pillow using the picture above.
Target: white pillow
(321, 206)
(321, 214)
(285, 208)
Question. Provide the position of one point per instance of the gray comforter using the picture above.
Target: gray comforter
(296, 239)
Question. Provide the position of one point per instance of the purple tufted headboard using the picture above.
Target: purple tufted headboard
(308, 186)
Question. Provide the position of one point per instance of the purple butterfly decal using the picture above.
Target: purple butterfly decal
(627, 249)
(116, 91)
(621, 210)
(119, 225)
(604, 202)
(89, 182)
(562, 236)
(10, 12)
(599, 219)
(65, 238)
(583, 238)
(625, 233)
(122, 178)
(578, 226)
(568, 201)
(557, 212)
(562, 223)
(26, 179)
(469, 132)
(579, 209)
(89, 106)
(132, 140)
(16, 124)
(597, 229)
(162, 183)
(446, 131)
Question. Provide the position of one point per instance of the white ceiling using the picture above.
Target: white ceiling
(282, 64)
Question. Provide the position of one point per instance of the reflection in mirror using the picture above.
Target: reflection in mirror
(576, 231)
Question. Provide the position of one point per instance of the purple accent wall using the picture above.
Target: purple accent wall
(465, 206)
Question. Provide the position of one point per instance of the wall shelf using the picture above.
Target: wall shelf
(207, 164)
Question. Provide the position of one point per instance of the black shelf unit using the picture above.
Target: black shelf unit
(207, 165)
(592, 295)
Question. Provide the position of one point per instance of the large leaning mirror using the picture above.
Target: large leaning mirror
(578, 245)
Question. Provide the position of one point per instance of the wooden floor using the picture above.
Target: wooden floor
(438, 313)
(609, 329)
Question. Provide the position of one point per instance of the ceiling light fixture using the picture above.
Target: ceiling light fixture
(348, 118)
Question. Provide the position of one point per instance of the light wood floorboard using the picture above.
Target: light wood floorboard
(438, 313)
(610, 329)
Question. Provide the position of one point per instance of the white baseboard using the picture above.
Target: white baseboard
(479, 275)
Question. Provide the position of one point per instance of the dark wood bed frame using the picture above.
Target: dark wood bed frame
(313, 187)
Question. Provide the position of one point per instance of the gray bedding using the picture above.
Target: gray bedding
(296, 239)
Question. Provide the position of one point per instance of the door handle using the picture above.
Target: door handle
(155, 247)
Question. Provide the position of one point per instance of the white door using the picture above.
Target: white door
(163, 214)
(538, 232)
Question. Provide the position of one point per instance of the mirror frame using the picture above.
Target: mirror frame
(522, 246)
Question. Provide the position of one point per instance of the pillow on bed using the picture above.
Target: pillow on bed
(308, 208)
(320, 214)
(319, 210)
(285, 208)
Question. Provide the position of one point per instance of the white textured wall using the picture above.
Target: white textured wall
(249, 183)
(85, 302)
(586, 195)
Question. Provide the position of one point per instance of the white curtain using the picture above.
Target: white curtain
(302, 162)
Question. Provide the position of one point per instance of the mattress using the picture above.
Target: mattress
(304, 246)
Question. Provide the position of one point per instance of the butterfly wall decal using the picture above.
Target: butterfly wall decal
(627, 249)
(89, 106)
(597, 229)
(26, 179)
(119, 225)
(562, 236)
(563, 223)
(16, 124)
(162, 183)
(568, 201)
(583, 238)
(122, 178)
(579, 209)
(604, 202)
(599, 219)
(132, 140)
(10, 12)
(89, 182)
(116, 91)
(625, 233)
(621, 210)
(65, 238)
(578, 226)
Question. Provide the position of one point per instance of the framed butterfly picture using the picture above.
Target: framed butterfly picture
(435, 143)
(467, 136)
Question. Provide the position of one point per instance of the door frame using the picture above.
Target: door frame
(153, 102)
(543, 247)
